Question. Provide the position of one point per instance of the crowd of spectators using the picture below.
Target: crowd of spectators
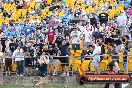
(30, 27)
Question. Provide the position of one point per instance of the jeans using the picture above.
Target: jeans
(23, 65)
(19, 67)
(8, 62)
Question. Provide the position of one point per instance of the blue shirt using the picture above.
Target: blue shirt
(27, 30)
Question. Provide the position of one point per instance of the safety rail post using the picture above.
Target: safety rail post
(72, 64)
(2, 67)
(127, 63)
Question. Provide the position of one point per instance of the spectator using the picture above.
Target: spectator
(121, 21)
(51, 34)
(114, 69)
(28, 59)
(97, 35)
(18, 41)
(23, 39)
(60, 28)
(118, 44)
(125, 63)
(22, 54)
(93, 20)
(32, 38)
(64, 52)
(84, 53)
(3, 41)
(87, 37)
(75, 39)
(67, 32)
(8, 60)
(59, 40)
(13, 45)
(96, 57)
(43, 61)
(17, 56)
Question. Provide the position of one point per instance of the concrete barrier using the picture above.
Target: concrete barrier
(15, 80)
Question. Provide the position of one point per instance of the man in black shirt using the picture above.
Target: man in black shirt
(13, 45)
(60, 27)
(59, 40)
(64, 52)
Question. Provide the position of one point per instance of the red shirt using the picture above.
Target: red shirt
(51, 36)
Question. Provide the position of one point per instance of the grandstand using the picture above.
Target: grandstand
(39, 26)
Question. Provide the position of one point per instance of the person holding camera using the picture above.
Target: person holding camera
(42, 67)
(75, 39)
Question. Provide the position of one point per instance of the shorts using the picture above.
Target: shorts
(125, 64)
(64, 62)
(43, 70)
(95, 62)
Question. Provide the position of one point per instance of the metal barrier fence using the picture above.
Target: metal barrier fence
(72, 63)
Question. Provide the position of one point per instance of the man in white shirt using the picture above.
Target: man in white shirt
(75, 39)
(96, 57)
(17, 56)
